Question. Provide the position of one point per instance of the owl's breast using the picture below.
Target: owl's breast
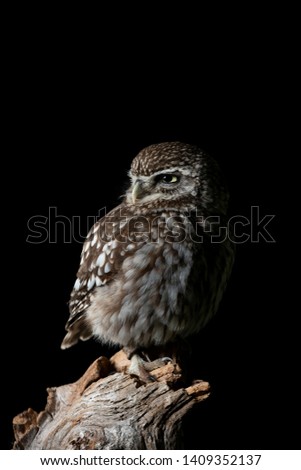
(166, 287)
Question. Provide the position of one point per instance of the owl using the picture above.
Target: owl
(154, 269)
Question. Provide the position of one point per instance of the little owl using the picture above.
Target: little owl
(154, 269)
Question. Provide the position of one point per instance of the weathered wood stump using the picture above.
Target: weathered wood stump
(107, 409)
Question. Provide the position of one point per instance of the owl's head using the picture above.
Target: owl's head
(173, 173)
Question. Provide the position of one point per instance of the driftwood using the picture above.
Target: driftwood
(108, 409)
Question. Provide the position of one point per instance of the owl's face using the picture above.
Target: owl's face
(169, 184)
(176, 173)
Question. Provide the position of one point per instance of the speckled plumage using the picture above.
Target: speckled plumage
(150, 272)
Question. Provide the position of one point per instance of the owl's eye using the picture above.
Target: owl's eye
(168, 178)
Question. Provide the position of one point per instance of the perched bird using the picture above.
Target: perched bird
(154, 269)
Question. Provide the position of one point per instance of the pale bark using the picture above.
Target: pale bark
(107, 409)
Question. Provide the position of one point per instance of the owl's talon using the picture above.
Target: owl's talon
(160, 362)
(138, 369)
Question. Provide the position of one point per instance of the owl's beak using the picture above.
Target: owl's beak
(137, 191)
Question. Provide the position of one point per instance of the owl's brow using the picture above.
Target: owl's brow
(186, 170)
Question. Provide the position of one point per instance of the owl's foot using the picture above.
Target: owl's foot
(140, 368)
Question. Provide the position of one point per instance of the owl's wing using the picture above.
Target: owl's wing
(106, 246)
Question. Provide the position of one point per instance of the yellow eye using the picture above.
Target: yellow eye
(167, 178)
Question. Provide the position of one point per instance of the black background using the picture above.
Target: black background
(77, 119)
